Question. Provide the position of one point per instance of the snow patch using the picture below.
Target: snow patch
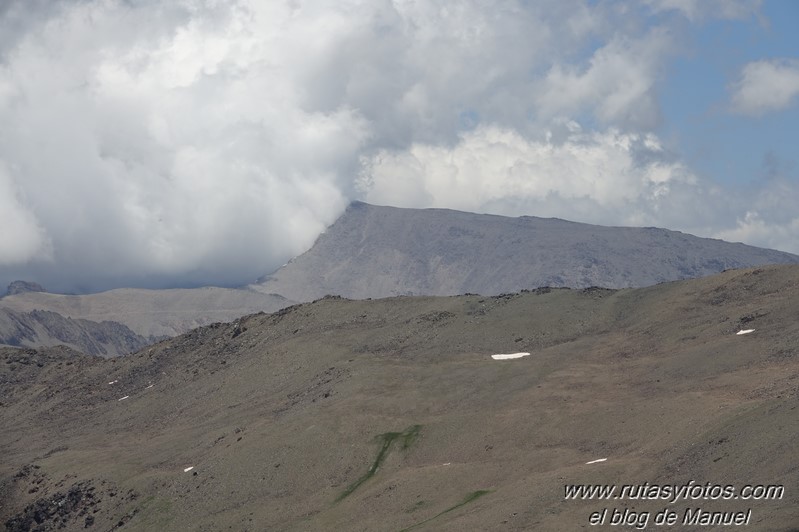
(510, 356)
(114, 382)
(745, 331)
(123, 398)
(596, 461)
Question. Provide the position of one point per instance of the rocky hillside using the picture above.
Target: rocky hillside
(374, 251)
(45, 328)
(393, 414)
(151, 313)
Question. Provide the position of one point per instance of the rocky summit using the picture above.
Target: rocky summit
(21, 287)
(375, 251)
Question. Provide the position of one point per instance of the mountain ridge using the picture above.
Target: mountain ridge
(40, 328)
(374, 251)
(378, 251)
(151, 313)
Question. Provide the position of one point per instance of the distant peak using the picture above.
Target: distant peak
(20, 287)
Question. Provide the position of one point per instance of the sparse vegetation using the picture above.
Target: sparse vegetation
(628, 377)
(408, 436)
(156, 512)
(473, 496)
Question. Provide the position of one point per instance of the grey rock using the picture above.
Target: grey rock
(46, 328)
(373, 251)
(21, 287)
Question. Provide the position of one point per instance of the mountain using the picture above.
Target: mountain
(373, 251)
(151, 313)
(20, 287)
(44, 328)
(392, 414)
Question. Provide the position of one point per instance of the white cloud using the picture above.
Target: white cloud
(770, 218)
(207, 142)
(605, 177)
(23, 237)
(608, 178)
(753, 228)
(618, 84)
(765, 86)
(168, 153)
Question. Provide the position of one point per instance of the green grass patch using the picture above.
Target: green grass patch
(153, 513)
(473, 496)
(406, 438)
(410, 435)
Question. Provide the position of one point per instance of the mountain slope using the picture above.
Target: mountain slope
(44, 328)
(392, 415)
(373, 251)
(151, 313)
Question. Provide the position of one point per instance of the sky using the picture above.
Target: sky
(206, 142)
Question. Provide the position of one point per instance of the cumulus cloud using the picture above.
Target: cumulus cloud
(607, 177)
(765, 86)
(201, 142)
(604, 177)
(754, 227)
(162, 151)
(23, 235)
(769, 217)
(618, 83)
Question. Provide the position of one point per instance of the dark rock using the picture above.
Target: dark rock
(20, 287)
